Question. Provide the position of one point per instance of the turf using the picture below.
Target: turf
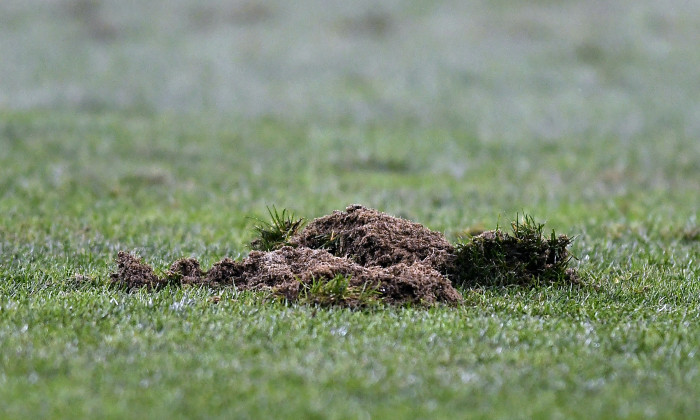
(73, 347)
(88, 168)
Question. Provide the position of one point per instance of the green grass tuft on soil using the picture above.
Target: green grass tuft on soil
(523, 257)
(277, 232)
(338, 292)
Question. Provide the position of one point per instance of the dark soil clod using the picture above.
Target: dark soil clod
(133, 273)
(223, 273)
(185, 270)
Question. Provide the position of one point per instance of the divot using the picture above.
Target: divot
(361, 256)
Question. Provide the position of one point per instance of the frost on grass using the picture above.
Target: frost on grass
(360, 256)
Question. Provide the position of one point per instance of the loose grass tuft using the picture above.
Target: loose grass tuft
(338, 291)
(276, 233)
(525, 257)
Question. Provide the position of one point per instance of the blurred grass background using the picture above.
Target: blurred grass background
(504, 71)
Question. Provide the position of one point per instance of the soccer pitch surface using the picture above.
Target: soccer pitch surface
(166, 128)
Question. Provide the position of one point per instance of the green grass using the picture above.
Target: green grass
(170, 136)
(337, 291)
(71, 346)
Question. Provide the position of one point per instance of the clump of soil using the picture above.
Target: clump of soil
(133, 273)
(223, 273)
(372, 238)
(362, 256)
(289, 272)
(186, 271)
(525, 257)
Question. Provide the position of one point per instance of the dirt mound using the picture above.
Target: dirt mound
(360, 256)
(294, 273)
(372, 238)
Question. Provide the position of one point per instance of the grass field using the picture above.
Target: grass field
(163, 129)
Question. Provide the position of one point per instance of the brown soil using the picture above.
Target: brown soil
(372, 238)
(134, 273)
(286, 271)
(402, 261)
